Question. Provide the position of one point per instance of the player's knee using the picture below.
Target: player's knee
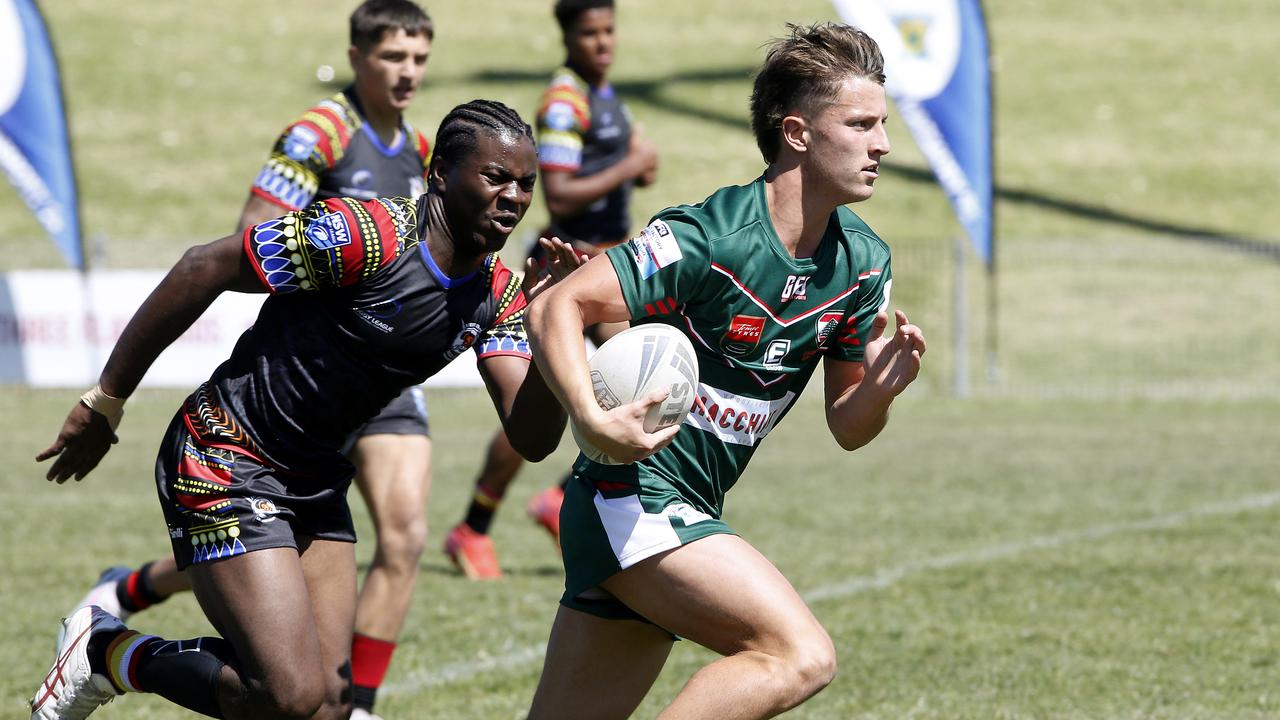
(292, 698)
(812, 664)
(289, 693)
(402, 541)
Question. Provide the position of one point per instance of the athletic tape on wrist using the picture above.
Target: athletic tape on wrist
(112, 408)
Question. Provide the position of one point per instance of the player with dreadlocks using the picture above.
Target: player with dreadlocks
(366, 298)
(355, 143)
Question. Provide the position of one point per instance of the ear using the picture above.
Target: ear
(353, 56)
(795, 133)
(437, 174)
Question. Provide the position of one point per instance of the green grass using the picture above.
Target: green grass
(1062, 545)
(1018, 577)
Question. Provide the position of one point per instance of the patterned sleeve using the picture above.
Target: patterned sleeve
(874, 286)
(306, 150)
(507, 336)
(332, 243)
(423, 146)
(563, 119)
(663, 267)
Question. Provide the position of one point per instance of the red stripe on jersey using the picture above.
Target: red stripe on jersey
(671, 302)
(572, 97)
(501, 280)
(339, 126)
(199, 503)
(424, 147)
(253, 258)
(272, 199)
(356, 253)
(849, 333)
(192, 469)
(556, 167)
(648, 309)
(785, 322)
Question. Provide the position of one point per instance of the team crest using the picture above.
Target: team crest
(300, 142)
(827, 324)
(263, 509)
(464, 340)
(328, 231)
(743, 335)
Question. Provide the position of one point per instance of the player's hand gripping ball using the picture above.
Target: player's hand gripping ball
(634, 363)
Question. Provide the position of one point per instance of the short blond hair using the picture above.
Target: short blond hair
(803, 72)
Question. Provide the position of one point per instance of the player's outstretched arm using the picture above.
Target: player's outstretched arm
(859, 394)
(532, 418)
(203, 273)
(554, 324)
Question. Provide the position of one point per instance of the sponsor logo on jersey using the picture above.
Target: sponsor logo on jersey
(774, 354)
(465, 338)
(378, 314)
(743, 335)
(796, 288)
(685, 513)
(734, 418)
(328, 231)
(827, 324)
(654, 248)
(263, 509)
(300, 142)
(361, 178)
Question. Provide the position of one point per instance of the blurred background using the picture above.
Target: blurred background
(1090, 533)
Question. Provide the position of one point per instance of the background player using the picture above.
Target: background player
(354, 144)
(766, 279)
(589, 155)
(367, 297)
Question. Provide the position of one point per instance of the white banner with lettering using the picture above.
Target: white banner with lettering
(58, 326)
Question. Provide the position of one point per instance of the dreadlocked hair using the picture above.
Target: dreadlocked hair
(456, 137)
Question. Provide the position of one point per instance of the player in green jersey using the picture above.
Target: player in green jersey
(766, 279)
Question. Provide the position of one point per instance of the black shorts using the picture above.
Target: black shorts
(221, 500)
(405, 415)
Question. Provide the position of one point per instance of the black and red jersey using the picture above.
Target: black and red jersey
(332, 152)
(358, 311)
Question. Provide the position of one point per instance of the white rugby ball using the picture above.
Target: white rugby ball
(634, 363)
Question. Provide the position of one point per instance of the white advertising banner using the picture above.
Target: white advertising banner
(58, 326)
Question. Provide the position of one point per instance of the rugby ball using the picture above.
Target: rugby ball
(634, 363)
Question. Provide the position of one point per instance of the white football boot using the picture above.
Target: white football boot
(72, 690)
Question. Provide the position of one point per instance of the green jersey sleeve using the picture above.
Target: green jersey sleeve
(874, 286)
(664, 266)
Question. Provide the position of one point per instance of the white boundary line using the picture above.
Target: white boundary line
(523, 657)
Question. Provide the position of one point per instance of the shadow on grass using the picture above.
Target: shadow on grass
(448, 570)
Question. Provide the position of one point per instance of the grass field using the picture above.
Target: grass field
(1092, 535)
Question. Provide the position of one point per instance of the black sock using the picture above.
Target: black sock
(364, 697)
(135, 593)
(185, 672)
(480, 512)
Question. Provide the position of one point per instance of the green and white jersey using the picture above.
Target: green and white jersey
(759, 319)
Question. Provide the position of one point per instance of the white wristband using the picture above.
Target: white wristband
(112, 408)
